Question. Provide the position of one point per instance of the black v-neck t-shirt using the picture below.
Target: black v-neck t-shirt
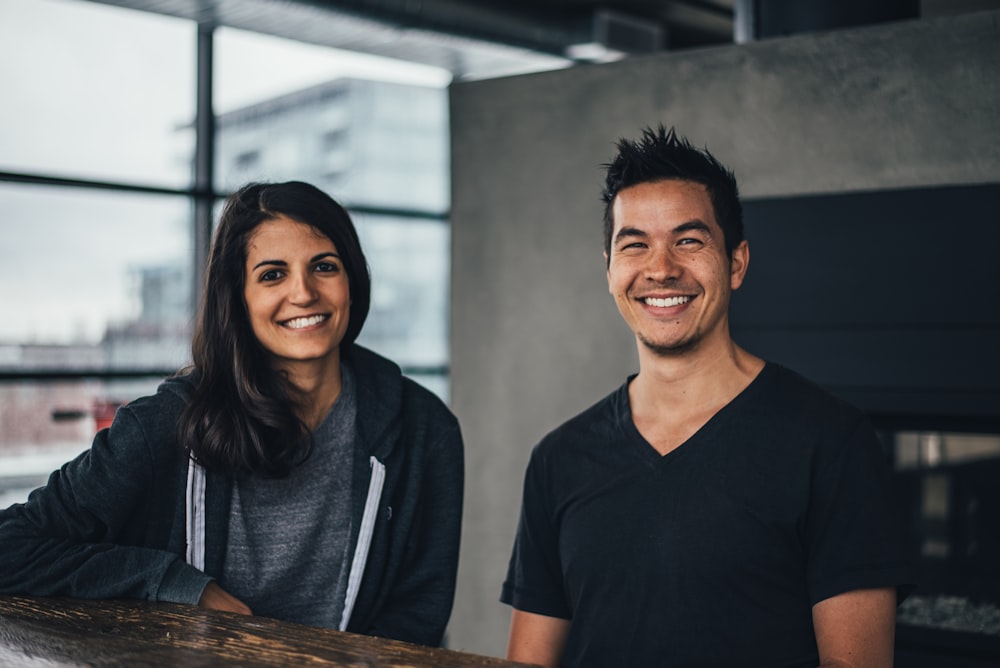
(715, 553)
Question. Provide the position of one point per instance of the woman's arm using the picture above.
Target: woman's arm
(216, 598)
(84, 533)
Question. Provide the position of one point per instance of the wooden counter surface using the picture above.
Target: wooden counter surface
(37, 631)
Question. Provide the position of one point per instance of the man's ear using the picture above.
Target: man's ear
(738, 265)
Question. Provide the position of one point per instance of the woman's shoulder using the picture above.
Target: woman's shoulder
(418, 398)
(174, 391)
(160, 411)
(382, 383)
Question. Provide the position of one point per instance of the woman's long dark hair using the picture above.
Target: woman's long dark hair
(240, 419)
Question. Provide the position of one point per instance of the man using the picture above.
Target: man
(717, 509)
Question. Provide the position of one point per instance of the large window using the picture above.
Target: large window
(96, 92)
(99, 157)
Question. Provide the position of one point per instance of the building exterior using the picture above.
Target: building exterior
(367, 143)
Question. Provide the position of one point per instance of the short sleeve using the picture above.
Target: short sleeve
(534, 577)
(852, 530)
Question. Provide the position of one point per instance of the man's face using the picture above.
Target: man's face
(668, 269)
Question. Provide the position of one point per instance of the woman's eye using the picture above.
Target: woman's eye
(327, 267)
(270, 275)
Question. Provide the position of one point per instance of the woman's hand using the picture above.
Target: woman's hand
(215, 597)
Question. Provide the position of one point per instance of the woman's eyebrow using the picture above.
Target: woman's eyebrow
(280, 263)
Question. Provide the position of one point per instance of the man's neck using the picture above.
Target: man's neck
(675, 395)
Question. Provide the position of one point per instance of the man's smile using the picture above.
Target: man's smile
(666, 302)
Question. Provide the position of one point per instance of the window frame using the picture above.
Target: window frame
(204, 194)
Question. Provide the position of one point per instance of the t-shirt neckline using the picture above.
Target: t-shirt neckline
(650, 454)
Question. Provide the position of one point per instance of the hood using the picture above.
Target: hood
(380, 385)
(181, 385)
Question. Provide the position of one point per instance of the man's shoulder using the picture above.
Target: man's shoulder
(790, 390)
(788, 402)
(595, 424)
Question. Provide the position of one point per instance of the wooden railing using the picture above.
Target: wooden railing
(36, 631)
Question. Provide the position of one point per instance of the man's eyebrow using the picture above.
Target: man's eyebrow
(630, 232)
(693, 225)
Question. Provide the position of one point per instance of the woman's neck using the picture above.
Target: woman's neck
(315, 387)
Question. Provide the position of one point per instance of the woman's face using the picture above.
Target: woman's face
(296, 292)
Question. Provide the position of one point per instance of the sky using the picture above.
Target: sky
(100, 92)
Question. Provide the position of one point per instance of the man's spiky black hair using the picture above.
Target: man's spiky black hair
(661, 155)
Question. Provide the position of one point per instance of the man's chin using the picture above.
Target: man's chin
(671, 349)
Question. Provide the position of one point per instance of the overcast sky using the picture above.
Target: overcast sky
(100, 92)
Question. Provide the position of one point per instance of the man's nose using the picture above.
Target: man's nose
(662, 265)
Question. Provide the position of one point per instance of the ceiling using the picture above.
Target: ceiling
(476, 39)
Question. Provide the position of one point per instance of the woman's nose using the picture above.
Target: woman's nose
(302, 290)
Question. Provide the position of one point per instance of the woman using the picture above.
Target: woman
(288, 473)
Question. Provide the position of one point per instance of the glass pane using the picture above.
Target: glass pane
(436, 383)
(925, 449)
(408, 321)
(96, 92)
(946, 490)
(44, 424)
(103, 279)
(367, 130)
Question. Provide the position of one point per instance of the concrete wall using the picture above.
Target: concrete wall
(536, 338)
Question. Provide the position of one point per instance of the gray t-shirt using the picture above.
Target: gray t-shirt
(288, 551)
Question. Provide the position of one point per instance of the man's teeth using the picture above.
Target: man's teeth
(299, 323)
(669, 301)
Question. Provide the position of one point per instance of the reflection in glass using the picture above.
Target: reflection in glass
(946, 489)
(929, 449)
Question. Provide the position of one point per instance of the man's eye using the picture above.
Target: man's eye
(688, 241)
